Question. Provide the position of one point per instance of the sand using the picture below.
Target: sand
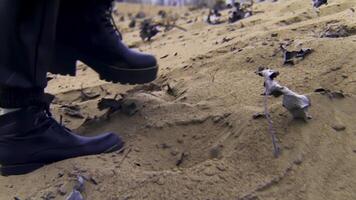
(196, 138)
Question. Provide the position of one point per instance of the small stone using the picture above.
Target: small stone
(62, 190)
(209, 172)
(174, 152)
(258, 115)
(320, 90)
(249, 60)
(274, 34)
(60, 174)
(298, 161)
(208, 164)
(217, 119)
(339, 127)
(160, 181)
(215, 152)
(127, 197)
(221, 167)
(48, 196)
(189, 187)
(337, 95)
(165, 146)
(94, 181)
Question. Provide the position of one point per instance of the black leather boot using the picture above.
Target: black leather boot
(30, 138)
(86, 31)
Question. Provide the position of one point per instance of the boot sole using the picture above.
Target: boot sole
(9, 170)
(67, 58)
(122, 75)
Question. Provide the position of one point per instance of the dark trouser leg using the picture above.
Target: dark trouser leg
(27, 41)
(30, 137)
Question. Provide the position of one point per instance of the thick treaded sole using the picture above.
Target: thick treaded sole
(66, 63)
(121, 75)
(19, 169)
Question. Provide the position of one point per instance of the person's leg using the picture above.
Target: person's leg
(29, 136)
(87, 32)
(27, 41)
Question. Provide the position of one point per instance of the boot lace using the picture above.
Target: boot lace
(108, 19)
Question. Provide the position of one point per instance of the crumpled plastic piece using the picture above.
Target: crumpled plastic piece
(290, 55)
(295, 103)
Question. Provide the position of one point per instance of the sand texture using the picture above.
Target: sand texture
(191, 133)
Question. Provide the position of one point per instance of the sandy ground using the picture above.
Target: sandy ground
(196, 139)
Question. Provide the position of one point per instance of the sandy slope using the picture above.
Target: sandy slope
(205, 120)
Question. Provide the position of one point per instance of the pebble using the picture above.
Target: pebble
(189, 187)
(165, 146)
(298, 161)
(94, 181)
(49, 195)
(217, 119)
(208, 164)
(174, 152)
(339, 127)
(215, 151)
(62, 190)
(258, 115)
(160, 181)
(180, 141)
(60, 174)
(221, 167)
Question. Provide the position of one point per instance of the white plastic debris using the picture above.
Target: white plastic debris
(295, 103)
(78, 188)
(75, 195)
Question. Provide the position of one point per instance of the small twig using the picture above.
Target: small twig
(124, 157)
(271, 130)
